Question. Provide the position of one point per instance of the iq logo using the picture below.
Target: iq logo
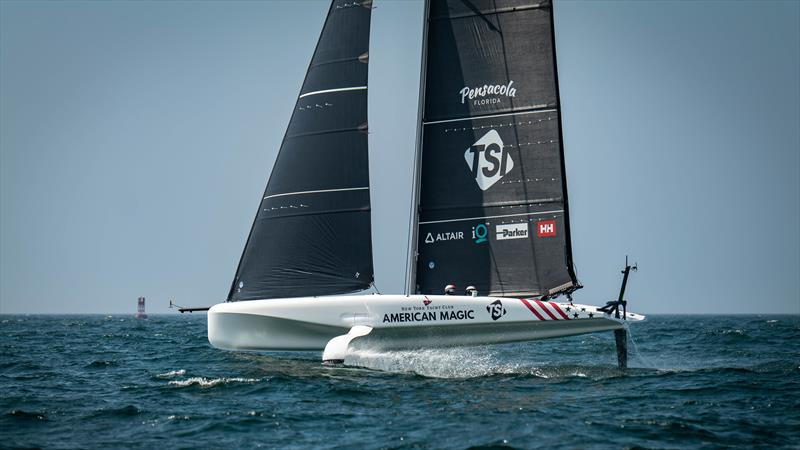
(546, 228)
(480, 233)
(488, 160)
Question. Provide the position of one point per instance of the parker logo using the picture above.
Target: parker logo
(488, 160)
(496, 309)
(427, 301)
(445, 236)
(546, 228)
(477, 94)
(512, 231)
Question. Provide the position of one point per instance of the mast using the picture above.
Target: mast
(411, 261)
(567, 233)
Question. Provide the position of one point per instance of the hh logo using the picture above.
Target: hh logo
(546, 228)
(496, 309)
(488, 160)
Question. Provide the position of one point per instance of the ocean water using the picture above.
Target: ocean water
(117, 382)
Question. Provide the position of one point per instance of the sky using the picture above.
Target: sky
(136, 139)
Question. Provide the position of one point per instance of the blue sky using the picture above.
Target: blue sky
(136, 139)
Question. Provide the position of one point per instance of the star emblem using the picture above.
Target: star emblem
(569, 309)
(591, 315)
(583, 309)
(575, 315)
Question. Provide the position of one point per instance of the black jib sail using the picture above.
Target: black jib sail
(311, 235)
(493, 200)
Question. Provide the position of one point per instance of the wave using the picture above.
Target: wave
(724, 333)
(778, 368)
(26, 415)
(736, 331)
(99, 364)
(469, 363)
(210, 382)
(122, 411)
(177, 417)
(435, 363)
(172, 373)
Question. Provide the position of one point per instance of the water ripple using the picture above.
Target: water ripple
(112, 381)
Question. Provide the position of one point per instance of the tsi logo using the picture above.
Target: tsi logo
(496, 309)
(512, 231)
(488, 160)
(546, 228)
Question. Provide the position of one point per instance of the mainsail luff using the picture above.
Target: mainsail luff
(311, 235)
(492, 208)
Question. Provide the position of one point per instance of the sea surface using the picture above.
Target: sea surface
(117, 382)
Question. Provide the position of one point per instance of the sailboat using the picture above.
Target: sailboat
(490, 258)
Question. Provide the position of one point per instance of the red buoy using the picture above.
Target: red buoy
(140, 314)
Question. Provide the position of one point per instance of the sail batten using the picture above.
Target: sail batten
(507, 9)
(492, 209)
(532, 110)
(428, 222)
(311, 235)
(325, 91)
(318, 191)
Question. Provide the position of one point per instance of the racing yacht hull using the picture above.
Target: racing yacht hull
(398, 322)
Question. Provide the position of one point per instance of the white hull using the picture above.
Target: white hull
(398, 322)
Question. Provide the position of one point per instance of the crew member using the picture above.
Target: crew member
(450, 289)
(471, 291)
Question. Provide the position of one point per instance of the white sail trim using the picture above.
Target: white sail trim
(556, 211)
(354, 88)
(317, 192)
(538, 111)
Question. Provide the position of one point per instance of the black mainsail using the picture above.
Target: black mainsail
(492, 205)
(311, 235)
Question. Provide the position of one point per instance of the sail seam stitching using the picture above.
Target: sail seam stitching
(490, 116)
(492, 217)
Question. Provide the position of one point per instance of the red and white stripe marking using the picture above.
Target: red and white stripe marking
(545, 310)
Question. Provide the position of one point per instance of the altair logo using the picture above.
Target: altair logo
(444, 236)
(488, 160)
(476, 94)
